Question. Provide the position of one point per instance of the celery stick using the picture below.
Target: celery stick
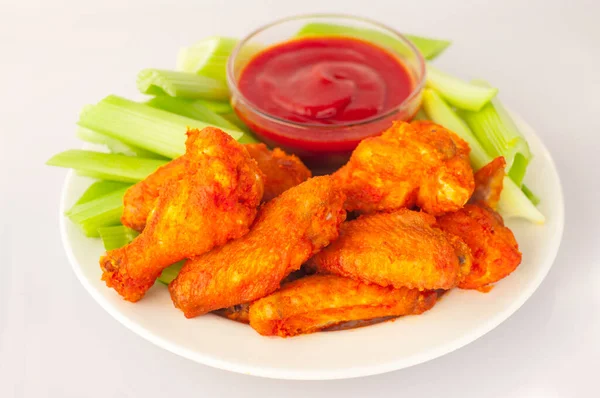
(111, 166)
(142, 126)
(440, 112)
(530, 195)
(117, 236)
(100, 188)
(207, 57)
(101, 212)
(219, 107)
(420, 115)
(197, 111)
(513, 202)
(114, 145)
(429, 48)
(458, 92)
(181, 84)
(170, 273)
(233, 118)
(499, 135)
(191, 109)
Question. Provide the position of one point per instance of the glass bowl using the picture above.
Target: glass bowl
(323, 146)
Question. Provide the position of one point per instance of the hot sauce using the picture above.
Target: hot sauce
(315, 96)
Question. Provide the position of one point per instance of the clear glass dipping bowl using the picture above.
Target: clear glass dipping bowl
(322, 146)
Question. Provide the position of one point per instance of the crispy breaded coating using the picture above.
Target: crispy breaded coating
(281, 171)
(214, 201)
(489, 181)
(419, 164)
(288, 230)
(239, 312)
(140, 199)
(494, 248)
(316, 302)
(399, 249)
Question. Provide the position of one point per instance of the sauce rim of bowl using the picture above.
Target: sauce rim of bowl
(237, 93)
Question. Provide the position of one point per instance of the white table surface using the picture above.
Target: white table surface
(55, 341)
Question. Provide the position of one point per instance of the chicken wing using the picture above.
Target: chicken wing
(316, 302)
(489, 181)
(288, 230)
(420, 164)
(494, 248)
(214, 201)
(399, 249)
(140, 199)
(280, 172)
(239, 312)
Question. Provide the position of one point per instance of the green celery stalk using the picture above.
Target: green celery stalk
(530, 195)
(233, 118)
(109, 165)
(142, 126)
(116, 237)
(181, 84)
(98, 189)
(113, 145)
(170, 273)
(101, 212)
(440, 112)
(458, 92)
(197, 111)
(207, 57)
(429, 48)
(191, 109)
(499, 135)
(513, 202)
(420, 115)
(219, 107)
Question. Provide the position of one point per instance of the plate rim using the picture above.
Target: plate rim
(338, 373)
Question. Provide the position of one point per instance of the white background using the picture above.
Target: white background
(55, 57)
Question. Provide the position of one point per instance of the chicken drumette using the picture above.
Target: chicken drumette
(418, 164)
(213, 200)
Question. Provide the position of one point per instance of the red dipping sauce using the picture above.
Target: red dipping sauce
(319, 96)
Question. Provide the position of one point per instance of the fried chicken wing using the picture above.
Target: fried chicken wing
(316, 302)
(214, 201)
(489, 181)
(288, 230)
(420, 164)
(239, 312)
(140, 199)
(280, 172)
(494, 248)
(399, 249)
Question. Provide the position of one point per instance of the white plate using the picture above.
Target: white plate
(460, 318)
